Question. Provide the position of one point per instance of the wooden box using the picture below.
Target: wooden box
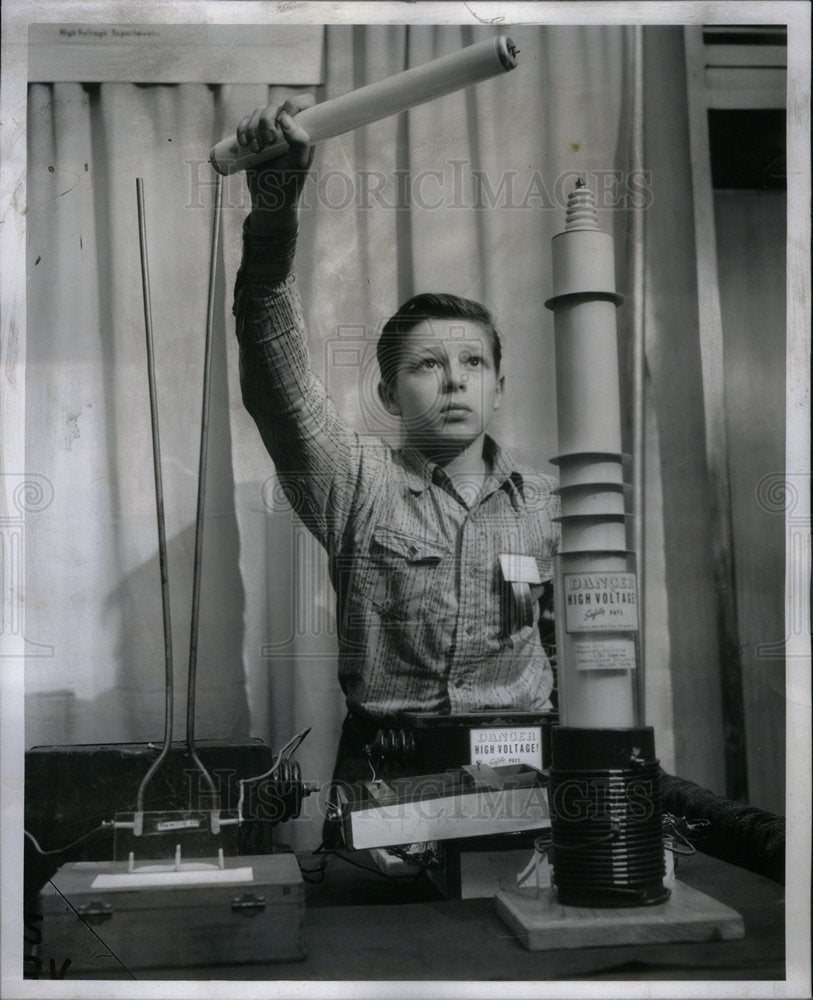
(105, 920)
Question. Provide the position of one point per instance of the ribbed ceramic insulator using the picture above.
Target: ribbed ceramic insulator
(581, 210)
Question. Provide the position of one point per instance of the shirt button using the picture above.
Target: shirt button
(459, 682)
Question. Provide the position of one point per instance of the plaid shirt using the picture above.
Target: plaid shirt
(426, 622)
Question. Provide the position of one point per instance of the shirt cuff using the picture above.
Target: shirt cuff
(268, 259)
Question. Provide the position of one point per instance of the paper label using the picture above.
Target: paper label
(600, 602)
(604, 654)
(506, 745)
(519, 569)
(166, 879)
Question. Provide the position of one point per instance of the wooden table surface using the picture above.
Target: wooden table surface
(362, 927)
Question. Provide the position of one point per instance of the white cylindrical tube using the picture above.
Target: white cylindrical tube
(596, 592)
(587, 389)
(379, 100)
(593, 532)
(584, 469)
(583, 262)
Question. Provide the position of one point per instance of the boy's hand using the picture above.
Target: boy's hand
(275, 186)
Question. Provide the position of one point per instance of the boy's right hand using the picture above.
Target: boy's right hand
(275, 186)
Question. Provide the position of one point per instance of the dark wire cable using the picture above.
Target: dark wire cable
(159, 500)
(320, 870)
(293, 745)
(675, 834)
(199, 522)
(106, 825)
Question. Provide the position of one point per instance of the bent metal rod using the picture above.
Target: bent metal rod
(159, 501)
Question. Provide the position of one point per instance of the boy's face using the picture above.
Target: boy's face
(446, 388)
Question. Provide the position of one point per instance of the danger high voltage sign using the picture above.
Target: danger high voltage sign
(600, 602)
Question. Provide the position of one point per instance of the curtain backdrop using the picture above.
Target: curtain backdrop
(464, 195)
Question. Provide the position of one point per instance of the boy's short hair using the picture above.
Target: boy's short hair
(429, 306)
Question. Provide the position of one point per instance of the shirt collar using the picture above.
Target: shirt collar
(421, 473)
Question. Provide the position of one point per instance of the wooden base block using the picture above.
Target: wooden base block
(543, 924)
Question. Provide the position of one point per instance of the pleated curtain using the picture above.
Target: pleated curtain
(464, 195)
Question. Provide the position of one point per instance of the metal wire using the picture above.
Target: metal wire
(199, 522)
(104, 825)
(159, 500)
(283, 756)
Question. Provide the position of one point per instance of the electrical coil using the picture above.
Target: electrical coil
(289, 789)
(392, 751)
(606, 822)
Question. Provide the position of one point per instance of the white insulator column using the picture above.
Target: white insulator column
(596, 593)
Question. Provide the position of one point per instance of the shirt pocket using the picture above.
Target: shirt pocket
(517, 620)
(406, 572)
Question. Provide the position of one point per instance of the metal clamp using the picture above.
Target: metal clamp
(248, 905)
(95, 912)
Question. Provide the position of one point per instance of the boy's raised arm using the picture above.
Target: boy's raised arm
(317, 458)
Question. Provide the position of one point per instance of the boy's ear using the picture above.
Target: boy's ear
(389, 399)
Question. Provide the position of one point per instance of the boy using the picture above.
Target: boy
(436, 613)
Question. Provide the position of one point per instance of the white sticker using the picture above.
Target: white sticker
(600, 602)
(177, 824)
(506, 745)
(604, 654)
